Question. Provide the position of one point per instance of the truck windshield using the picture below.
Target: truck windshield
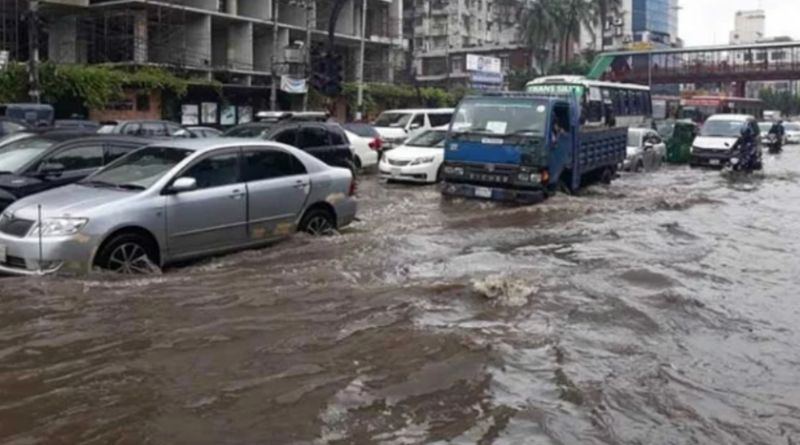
(722, 129)
(501, 116)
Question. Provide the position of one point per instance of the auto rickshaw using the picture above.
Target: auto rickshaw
(679, 136)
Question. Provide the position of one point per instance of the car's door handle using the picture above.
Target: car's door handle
(237, 194)
(300, 185)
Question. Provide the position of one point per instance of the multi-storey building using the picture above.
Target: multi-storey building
(442, 32)
(227, 41)
(638, 23)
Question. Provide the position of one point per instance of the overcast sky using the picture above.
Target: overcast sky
(706, 22)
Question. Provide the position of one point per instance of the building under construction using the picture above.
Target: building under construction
(232, 42)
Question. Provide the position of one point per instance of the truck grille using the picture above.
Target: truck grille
(15, 226)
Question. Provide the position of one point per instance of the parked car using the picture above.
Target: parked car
(197, 132)
(250, 130)
(418, 160)
(395, 126)
(77, 124)
(365, 144)
(142, 128)
(325, 141)
(33, 115)
(26, 169)
(172, 201)
(646, 151)
(792, 132)
(39, 137)
(10, 126)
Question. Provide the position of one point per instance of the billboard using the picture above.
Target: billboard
(483, 64)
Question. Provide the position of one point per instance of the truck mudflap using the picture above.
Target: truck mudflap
(524, 196)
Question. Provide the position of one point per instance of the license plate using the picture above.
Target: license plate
(713, 162)
(395, 172)
(483, 192)
(3, 254)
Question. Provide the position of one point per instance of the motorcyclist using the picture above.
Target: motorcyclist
(779, 132)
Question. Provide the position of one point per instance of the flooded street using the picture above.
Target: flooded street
(662, 309)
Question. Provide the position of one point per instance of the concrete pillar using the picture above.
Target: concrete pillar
(140, 37)
(240, 46)
(198, 41)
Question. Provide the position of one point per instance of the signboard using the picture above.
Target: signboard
(208, 113)
(228, 115)
(556, 89)
(245, 114)
(293, 86)
(491, 78)
(483, 64)
(190, 114)
(640, 46)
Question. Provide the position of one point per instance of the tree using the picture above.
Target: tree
(787, 103)
(539, 25)
(602, 9)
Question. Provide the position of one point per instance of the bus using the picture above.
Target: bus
(700, 108)
(602, 103)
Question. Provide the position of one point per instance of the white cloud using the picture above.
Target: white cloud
(709, 22)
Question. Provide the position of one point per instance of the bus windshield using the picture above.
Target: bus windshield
(501, 116)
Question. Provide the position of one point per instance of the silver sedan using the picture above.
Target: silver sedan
(174, 201)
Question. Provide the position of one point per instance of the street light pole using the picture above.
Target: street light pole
(273, 96)
(33, 53)
(360, 99)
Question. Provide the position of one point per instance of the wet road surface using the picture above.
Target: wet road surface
(663, 309)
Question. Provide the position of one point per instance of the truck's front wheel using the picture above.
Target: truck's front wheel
(607, 176)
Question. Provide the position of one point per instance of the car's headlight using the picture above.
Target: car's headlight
(59, 227)
(420, 161)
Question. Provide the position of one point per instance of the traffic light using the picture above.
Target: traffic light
(335, 79)
(326, 73)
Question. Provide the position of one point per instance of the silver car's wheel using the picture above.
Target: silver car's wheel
(318, 222)
(129, 258)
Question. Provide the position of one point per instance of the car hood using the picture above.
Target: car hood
(406, 153)
(391, 133)
(715, 143)
(13, 182)
(72, 200)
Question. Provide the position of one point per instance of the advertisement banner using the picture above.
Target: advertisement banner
(484, 64)
(293, 86)
(190, 114)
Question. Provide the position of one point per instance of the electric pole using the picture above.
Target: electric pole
(33, 54)
(310, 7)
(360, 100)
(273, 96)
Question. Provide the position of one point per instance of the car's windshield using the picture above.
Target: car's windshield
(393, 120)
(247, 131)
(363, 130)
(17, 154)
(428, 139)
(501, 115)
(722, 129)
(635, 138)
(765, 126)
(140, 169)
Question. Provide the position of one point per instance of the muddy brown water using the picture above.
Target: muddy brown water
(663, 309)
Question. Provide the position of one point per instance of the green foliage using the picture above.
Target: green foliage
(518, 78)
(94, 86)
(786, 102)
(383, 96)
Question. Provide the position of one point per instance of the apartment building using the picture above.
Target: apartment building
(227, 41)
(443, 32)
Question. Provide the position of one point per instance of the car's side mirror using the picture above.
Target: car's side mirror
(184, 184)
(51, 169)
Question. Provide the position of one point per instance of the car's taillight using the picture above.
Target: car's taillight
(376, 144)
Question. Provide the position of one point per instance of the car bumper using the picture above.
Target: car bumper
(25, 256)
(710, 159)
(410, 173)
(346, 209)
(493, 193)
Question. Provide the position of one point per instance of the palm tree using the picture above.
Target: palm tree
(539, 29)
(602, 9)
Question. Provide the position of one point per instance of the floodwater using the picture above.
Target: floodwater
(663, 309)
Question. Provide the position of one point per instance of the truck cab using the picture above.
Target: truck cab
(522, 148)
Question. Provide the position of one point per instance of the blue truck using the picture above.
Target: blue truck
(520, 147)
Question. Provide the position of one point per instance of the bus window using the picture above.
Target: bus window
(616, 97)
(636, 102)
(648, 103)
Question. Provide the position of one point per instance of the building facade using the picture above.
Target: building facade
(231, 42)
(638, 24)
(442, 33)
(749, 27)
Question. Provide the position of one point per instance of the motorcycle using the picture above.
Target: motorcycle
(774, 144)
(747, 160)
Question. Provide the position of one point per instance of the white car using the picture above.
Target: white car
(363, 152)
(418, 160)
(646, 150)
(396, 126)
(792, 132)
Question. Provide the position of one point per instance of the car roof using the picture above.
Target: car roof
(61, 134)
(111, 138)
(423, 110)
(730, 117)
(208, 144)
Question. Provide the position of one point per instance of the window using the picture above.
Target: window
(338, 138)
(215, 171)
(288, 137)
(418, 121)
(131, 129)
(269, 164)
(313, 137)
(78, 158)
(116, 151)
(153, 129)
(437, 120)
